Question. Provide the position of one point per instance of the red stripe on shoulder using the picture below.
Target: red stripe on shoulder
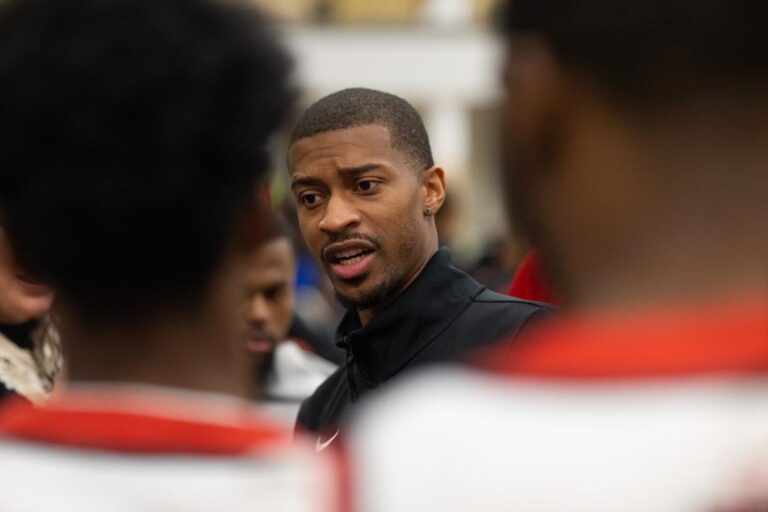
(674, 342)
(136, 432)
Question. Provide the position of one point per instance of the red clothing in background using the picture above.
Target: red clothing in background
(530, 282)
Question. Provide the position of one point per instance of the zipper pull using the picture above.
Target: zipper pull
(349, 363)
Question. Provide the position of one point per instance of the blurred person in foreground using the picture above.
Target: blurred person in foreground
(286, 371)
(367, 190)
(637, 132)
(133, 132)
(30, 355)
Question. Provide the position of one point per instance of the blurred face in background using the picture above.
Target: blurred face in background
(269, 294)
(21, 299)
(360, 209)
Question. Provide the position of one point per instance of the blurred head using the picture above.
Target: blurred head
(623, 117)
(133, 134)
(21, 298)
(367, 191)
(269, 295)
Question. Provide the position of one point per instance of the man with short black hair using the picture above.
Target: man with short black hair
(367, 191)
(133, 135)
(286, 370)
(637, 137)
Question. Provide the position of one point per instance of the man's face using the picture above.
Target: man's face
(269, 289)
(360, 208)
(20, 299)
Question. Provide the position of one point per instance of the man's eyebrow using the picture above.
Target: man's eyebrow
(359, 168)
(304, 182)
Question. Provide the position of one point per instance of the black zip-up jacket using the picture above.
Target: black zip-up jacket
(442, 316)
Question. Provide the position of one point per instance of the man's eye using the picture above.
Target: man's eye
(272, 294)
(310, 199)
(366, 185)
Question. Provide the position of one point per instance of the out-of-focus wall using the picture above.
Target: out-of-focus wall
(378, 11)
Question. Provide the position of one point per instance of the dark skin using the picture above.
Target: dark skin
(269, 294)
(20, 300)
(354, 183)
(196, 348)
(269, 304)
(637, 206)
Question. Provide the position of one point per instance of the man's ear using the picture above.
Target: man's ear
(433, 186)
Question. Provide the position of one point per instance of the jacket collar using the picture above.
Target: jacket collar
(412, 321)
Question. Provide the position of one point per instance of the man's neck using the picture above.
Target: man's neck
(191, 355)
(703, 246)
(366, 315)
(677, 208)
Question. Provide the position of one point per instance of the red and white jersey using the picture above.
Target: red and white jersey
(661, 411)
(120, 448)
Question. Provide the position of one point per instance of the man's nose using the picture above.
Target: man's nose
(339, 215)
(258, 310)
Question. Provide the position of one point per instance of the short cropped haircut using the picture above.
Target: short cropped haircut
(646, 49)
(350, 108)
(133, 135)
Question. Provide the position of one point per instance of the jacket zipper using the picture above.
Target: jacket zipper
(355, 394)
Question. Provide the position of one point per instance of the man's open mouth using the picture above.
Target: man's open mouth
(348, 252)
(351, 257)
(259, 341)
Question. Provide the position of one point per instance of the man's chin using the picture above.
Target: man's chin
(365, 298)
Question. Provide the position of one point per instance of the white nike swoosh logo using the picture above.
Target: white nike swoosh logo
(321, 445)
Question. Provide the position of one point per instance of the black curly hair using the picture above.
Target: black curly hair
(133, 134)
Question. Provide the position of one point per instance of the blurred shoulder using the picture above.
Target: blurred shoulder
(504, 442)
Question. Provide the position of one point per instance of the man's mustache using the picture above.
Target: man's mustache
(374, 240)
(256, 331)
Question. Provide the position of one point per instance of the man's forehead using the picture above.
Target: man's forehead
(263, 275)
(342, 146)
(277, 252)
(266, 278)
(373, 132)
